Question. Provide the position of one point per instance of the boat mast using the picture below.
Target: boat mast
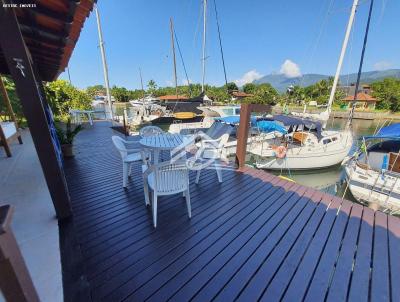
(220, 44)
(143, 94)
(141, 83)
(204, 43)
(173, 56)
(361, 64)
(341, 58)
(103, 58)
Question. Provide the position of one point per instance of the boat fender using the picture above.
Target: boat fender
(280, 152)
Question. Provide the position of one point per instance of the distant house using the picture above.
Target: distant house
(363, 101)
(173, 98)
(349, 90)
(239, 95)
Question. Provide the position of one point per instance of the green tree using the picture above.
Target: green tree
(135, 94)
(121, 94)
(62, 97)
(151, 87)
(249, 88)
(14, 100)
(232, 86)
(218, 94)
(92, 91)
(264, 94)
(387, 93)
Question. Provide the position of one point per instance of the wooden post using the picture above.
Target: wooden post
(15, 281)
(33, 101)
(4, 143)
(243, 131)
(242, 135)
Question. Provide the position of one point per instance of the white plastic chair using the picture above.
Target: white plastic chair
(150, 131)
(131, 151)
(209, 154)
(166, 178)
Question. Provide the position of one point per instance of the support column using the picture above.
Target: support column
(34, 105)
(243, 131)
(242, 135)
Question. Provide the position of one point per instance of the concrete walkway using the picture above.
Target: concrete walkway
(22, 185)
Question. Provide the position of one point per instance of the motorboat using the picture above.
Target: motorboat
(304, 146)
(208, 114)
(373, 172)
(147, 101)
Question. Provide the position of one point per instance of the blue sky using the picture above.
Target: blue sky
(258, 37)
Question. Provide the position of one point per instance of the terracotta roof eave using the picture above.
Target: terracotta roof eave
(51, 31)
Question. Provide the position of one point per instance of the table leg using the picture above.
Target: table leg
(90, 119)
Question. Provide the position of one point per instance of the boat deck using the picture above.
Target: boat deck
(253, 237)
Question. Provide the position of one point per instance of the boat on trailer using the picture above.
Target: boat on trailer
(373, 172)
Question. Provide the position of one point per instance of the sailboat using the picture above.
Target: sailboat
(306, 145)
(373, 172)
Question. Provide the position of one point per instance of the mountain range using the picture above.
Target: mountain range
(280, 82)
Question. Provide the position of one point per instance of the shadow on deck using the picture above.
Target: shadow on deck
(255, 236)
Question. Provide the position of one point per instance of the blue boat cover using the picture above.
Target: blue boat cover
(269, 126)
(291, 121)
(235, 119)
(392, 131)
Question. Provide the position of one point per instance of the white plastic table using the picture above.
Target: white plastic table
(76, 115)
(166, 141)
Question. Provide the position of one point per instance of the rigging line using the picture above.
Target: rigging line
(220, 43)
(318, 39)
(353, 105)
(384, 3)
(183, 62)
(197, 29)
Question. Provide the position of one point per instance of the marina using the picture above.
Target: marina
(171, 159)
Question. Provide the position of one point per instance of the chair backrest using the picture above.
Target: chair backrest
(211, 131)
(224, 140)
(221, 129)
(119, 143)
(150, 131)
(171, 177)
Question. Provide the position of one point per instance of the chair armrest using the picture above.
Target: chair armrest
(132, 142)
(211, 143)
(133, 150)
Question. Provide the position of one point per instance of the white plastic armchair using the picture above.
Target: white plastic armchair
(131, 151)
(166, 178)
(209, 154)
(150, 131)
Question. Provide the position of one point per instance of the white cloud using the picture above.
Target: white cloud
(290, 69)
(382, 65)
(169, 83)
(249, 77)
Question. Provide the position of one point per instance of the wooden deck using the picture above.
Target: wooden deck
(253, 237)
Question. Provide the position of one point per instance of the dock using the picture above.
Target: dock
(253, 237)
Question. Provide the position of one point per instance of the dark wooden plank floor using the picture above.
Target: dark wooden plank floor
(253, 237)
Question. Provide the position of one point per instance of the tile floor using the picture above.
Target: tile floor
(22, 185)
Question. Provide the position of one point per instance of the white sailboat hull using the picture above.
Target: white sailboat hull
(368, 186)
(317, 156)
